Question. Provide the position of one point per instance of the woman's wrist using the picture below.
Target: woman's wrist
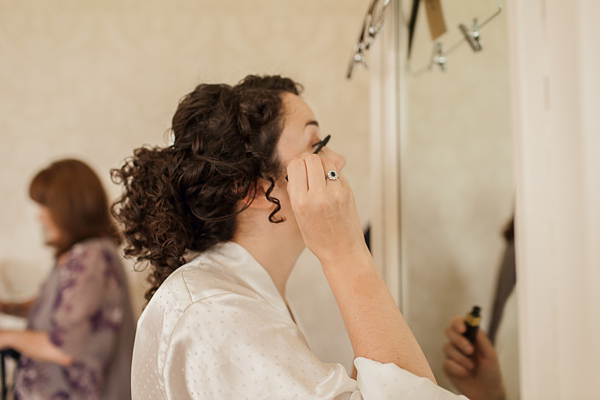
(357, 256)
(352, 274)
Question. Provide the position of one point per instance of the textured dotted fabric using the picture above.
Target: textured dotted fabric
(217, 328)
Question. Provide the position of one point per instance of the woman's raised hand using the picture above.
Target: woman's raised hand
(328, 219)
(325, 209)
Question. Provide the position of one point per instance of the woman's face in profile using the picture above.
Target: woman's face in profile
(50, 229)
(301, 133)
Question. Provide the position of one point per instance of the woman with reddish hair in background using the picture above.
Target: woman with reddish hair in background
(80, 329)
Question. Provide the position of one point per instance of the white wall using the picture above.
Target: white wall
(95, 79)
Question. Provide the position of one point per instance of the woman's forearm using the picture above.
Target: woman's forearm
(35, 345)
(375, 325)
(328, 220)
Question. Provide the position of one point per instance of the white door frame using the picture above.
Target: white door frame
(384, 68)
(555, 85)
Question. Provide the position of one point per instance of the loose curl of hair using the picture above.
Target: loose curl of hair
(185, 197)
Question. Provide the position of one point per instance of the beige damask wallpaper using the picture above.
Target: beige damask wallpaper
(94, 79)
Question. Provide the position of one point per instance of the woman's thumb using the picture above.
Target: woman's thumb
(484, 345)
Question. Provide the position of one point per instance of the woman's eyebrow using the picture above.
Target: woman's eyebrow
(312, 122)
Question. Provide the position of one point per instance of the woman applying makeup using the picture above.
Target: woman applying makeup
(242, 189)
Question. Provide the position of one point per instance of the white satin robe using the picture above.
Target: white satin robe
(217, 328)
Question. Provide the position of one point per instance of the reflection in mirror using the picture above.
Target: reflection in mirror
(456, 179)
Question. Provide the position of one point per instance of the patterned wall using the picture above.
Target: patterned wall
(95, 79)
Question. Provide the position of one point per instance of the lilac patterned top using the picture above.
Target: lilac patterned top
(85, 308)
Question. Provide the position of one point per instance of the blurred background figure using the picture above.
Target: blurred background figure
(489, 368)
(80, 328)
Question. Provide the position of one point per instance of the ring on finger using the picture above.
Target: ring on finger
(332, 175)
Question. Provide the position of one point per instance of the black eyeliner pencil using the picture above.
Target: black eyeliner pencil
(320, 146)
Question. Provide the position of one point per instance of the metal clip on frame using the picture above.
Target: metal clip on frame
(438, 57)
(471, 36)
(373, 23)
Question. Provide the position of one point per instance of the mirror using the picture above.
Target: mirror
(456, 180)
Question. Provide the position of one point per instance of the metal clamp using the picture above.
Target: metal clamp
(471, 36)
(438, 57)
(373, 23)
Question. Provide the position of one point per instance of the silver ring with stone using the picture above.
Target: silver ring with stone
(332, 175)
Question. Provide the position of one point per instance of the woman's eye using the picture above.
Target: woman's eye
(319, 145)
(319, 142)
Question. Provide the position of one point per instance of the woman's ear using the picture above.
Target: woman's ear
(259, 201)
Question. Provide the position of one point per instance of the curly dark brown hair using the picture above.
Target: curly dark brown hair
(185, 197)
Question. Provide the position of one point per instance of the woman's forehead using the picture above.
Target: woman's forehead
(297, 109)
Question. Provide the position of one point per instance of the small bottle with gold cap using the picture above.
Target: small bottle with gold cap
(473, 319)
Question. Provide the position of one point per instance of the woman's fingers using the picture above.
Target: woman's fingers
(453, 369)
(324, 209)
(455, 331)
(454, 354)
(297, 178)
(315, 173)
(329, 165)
(485, 348)
(459, 324)
(309, 173)
(455, 336)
